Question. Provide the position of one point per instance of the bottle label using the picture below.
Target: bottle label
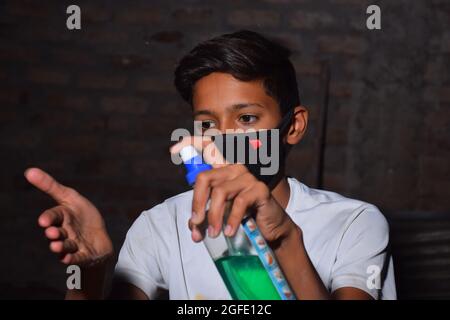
(267, 258)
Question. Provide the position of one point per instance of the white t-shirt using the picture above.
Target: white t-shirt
(346, 240)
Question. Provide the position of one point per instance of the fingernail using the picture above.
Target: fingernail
(196, 236)
(211, 232)
(194, 215)
(228, 230)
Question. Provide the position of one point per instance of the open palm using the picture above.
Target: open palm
(75, 227)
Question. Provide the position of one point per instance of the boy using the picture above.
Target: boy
(328, 246)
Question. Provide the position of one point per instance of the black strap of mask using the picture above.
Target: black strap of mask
(286, 121)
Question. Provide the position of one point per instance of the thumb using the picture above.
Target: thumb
(44, 182)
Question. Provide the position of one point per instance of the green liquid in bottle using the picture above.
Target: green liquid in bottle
(246, 278)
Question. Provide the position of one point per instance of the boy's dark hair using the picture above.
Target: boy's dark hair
(247, 56)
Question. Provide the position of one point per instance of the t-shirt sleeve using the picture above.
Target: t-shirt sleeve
(138, 262)
(363, 259)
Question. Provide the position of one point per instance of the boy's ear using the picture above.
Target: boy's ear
(298, 125)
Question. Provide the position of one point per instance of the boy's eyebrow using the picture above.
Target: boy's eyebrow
(239, 106)
(233, 107)
(204, 111)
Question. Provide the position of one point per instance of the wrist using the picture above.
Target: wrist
(290, 234)
(99, 264)
(95, 277)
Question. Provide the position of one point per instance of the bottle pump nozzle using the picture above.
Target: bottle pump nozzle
(193, 162)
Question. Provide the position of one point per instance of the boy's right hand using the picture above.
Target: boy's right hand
(75, 227)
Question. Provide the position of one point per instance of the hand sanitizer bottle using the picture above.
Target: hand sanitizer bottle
(246, 263)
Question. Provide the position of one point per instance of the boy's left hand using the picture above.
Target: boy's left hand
(234, 182)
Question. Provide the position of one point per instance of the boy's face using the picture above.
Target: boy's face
(222, 102)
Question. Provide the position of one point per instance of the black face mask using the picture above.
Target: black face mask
(263, 152)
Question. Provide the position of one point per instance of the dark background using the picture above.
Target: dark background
(95, 107)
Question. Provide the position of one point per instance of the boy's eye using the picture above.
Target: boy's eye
(248, 118)
(208, 124)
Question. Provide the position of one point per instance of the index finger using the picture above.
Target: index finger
(44, 182)
(204, 144)
(198, 142)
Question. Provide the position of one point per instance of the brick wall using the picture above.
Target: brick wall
(95, 107)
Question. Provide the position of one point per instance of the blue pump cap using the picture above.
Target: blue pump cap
(193, 162)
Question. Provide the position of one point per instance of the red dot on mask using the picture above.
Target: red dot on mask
(255, 143)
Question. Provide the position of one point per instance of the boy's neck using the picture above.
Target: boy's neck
(281, 192)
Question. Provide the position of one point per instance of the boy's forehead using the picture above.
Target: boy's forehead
(220, 90)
